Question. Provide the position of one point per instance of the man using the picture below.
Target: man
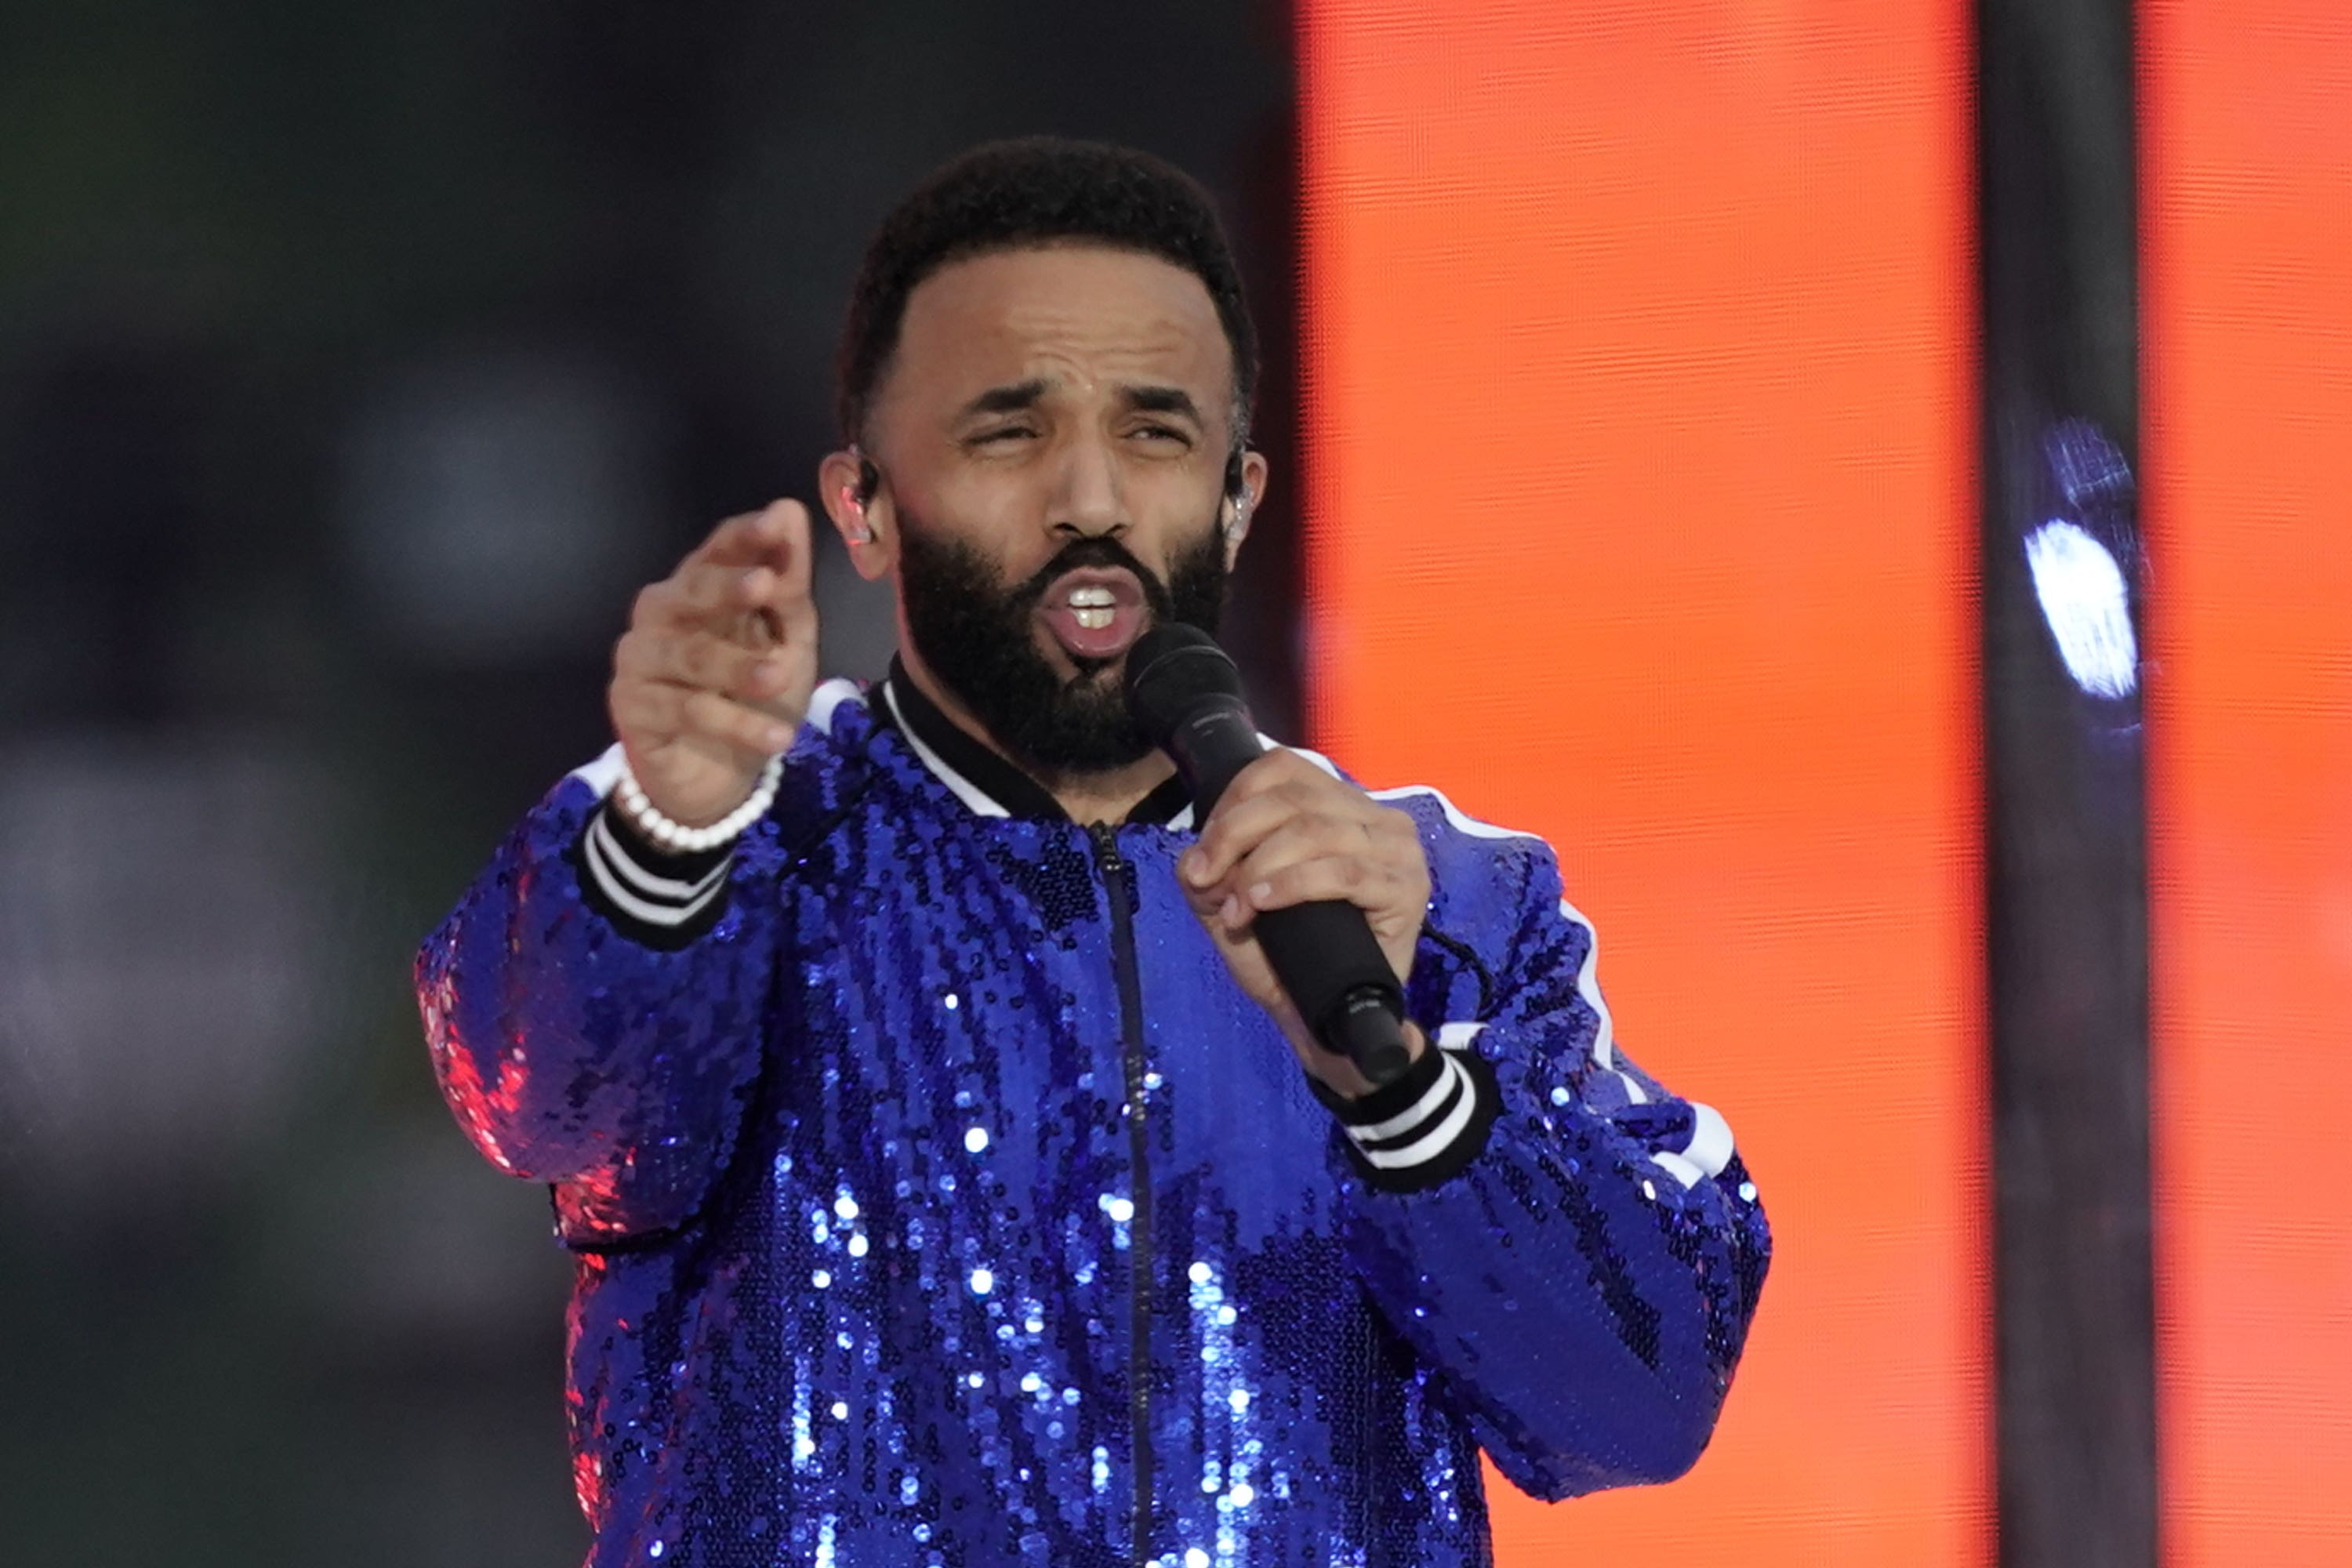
(918, 1107)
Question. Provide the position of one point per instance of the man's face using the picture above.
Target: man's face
(1053, 428)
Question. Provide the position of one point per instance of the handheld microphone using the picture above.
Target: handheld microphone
(1185, 693)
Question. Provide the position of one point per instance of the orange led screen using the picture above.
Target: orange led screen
(1640, 498)
(2246, 131)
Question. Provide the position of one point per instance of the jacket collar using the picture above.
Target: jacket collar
(985, 782)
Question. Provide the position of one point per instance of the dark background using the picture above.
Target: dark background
(356, 364)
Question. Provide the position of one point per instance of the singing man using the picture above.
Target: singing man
(947, 1178)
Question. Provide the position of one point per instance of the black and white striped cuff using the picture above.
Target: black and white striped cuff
(1424, 1127)
(656, 897)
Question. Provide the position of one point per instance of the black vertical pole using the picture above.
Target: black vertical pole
(2066, 862)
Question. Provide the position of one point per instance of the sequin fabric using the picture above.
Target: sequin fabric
(858, 1232)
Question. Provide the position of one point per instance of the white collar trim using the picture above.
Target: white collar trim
(970, 793)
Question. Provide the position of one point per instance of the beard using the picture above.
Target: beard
(979, 639)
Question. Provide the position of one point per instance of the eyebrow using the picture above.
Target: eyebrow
(1163, 400)
(1006, 399)
(1017, 396)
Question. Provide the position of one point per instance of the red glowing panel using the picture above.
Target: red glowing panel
(2246, 117)
(1640, 497)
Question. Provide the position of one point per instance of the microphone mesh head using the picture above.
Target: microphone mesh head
(1171, 671)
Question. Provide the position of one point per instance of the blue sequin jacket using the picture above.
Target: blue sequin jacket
(935, 1198)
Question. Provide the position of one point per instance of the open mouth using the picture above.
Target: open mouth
(1094, 613)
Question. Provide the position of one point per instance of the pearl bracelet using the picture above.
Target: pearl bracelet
(679, 837)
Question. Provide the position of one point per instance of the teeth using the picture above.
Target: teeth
(1092, 598)
(1093, 617)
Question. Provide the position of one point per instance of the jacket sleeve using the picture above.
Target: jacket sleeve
(1579, 1251)
(594, 1008)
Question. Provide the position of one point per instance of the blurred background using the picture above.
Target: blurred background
(1766, 445)
(356, 366)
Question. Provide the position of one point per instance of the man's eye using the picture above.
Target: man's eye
(1008, 432)
(1163, 433)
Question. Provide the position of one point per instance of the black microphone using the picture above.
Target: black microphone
(1185, 693)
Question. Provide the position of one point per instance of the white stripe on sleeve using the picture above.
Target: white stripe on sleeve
(1438, 1139)
(1710, 1141)
(610, 882)
(665, 890)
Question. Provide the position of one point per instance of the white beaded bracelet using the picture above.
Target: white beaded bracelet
(685, 840)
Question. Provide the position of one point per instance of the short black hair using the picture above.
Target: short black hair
(1038, 190)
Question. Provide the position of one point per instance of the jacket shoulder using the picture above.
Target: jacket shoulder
(1456, 842)
(1485, 877)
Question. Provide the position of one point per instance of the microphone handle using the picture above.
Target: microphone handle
(1325, 956)
(1323, 952)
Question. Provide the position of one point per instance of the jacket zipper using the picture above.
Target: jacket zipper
(1118, 883)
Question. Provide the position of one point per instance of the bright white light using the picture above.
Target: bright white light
(982, 1281)
(975, 1139)
(2083, 599)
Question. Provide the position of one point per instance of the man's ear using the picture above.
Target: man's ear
(855, 498)
(1239, 509)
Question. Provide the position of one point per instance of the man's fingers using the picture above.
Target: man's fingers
(703, 661)
(795, 616)
(1278, 783)
(754, 564)
(791, 521)
(756, 537)
(718, 590)
(1296, 840)
(1279, 770)
(1234, 829)
(1241, 823)
(1238, 826)
(776, 537)
(1343, 878)
(718, 718)
(711, 591)
(659, 712)
(648, 710)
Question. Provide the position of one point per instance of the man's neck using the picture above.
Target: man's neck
(1087, 798)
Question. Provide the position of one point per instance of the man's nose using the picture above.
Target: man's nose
(1089, 500)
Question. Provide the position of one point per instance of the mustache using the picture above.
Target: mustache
(1102, 552)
